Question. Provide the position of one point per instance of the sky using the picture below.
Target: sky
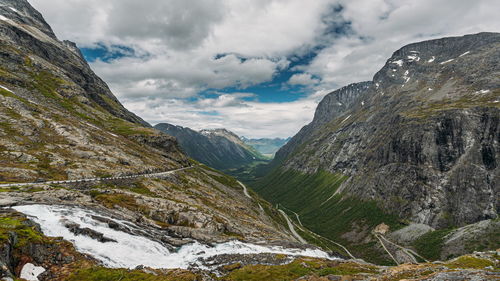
(256, 67)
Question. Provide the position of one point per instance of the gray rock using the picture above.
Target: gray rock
(484, 234)
(410, 233)
(422, 138)
(463, 275)
(85, 231)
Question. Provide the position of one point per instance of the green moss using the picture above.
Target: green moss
(111, 103)
(296, 269)
(10, 189)
(231, 267)
(411, 274)
(265, 272)
(9, 223)
(463, 102)
(25, 234)
(486, 242)
(118, 199)
(225, 180)
(125, 128)
(28, 62)
(6, 93)
(345, 269)
(46, 83)
(471, 262)
(107, 274)
(136, 187)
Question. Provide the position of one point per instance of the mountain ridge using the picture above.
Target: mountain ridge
(218, 148)
(420, 142)
(59, 122)
(63, 129)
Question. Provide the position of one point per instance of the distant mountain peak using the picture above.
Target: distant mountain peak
(218, 148)
(221, 132)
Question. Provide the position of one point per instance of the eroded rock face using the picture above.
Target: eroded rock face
(187, 205)
(422, 138)
(332, 106)
(25, 27)
(58, 120)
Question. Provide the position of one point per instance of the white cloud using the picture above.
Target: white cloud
(180, 76)
(179, 39)
(176, 43)
(232, 111)
(380, 27)
(304, 79)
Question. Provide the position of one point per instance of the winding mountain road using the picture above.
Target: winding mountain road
(305, 229)
(245, 190)
(289, 222)
(296, 215)
(151, 175)
(409, 252)
(292, 227)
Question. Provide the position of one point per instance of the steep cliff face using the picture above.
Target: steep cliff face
(58, 120)
(24, 27)
(331, 107)
(421, 140)
(219, 148)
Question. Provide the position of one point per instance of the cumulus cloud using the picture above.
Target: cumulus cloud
(182, 48)
(304, 79)
(380, 27)
(181, 76)
(233, 111)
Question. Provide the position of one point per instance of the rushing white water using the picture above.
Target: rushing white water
(131, 250)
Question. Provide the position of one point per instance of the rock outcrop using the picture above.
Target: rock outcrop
(59, 120)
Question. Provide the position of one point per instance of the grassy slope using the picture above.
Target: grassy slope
(47, 103)
(308, 196)
(247, 174)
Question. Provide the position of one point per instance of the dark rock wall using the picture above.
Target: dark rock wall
(423, 138)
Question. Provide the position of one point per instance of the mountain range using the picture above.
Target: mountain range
(217, 148)
(60, 124)
(415, 149)
(403, 168)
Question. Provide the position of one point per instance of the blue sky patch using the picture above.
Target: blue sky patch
(107, 54)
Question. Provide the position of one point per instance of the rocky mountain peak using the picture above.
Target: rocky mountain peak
(24, 29)
(339, 101)
(417, 61)
(420, 142)
(221, 132)
(217, 148)
(22, 13)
